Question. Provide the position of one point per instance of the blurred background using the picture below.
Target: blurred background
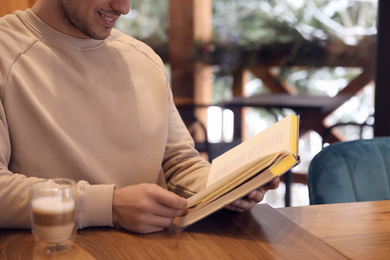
(238, 66)
(305, 48)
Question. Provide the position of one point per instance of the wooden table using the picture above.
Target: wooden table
(359, 230)
(262, 233)
(335, 231)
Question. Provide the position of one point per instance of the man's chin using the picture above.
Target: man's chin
(98, 35)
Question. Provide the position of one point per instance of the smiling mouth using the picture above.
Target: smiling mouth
(109, 20)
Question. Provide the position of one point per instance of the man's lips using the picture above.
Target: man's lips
(108, 19)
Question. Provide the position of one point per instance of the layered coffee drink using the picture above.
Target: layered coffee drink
(53, 218)
(53, 206)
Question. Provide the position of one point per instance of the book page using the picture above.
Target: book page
(269, 142)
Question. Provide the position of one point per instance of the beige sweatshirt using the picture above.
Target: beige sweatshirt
(96, 111)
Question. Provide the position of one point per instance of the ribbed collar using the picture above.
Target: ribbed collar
(57, 36)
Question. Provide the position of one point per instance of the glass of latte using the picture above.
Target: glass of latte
(53, 214)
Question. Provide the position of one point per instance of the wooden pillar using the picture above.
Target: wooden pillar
(190, 22)
(382, 76)
(240, 78)
(9, 6)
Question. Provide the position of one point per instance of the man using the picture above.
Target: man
(81, 100)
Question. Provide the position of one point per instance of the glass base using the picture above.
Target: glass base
(54, 248)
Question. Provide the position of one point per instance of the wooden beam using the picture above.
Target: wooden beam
(271, 81)
(240, 78)
(359, 82)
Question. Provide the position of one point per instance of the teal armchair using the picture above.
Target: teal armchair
(351, 171)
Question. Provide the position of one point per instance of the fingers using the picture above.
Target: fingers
(162, 210)
(241, 205)
(169, 199)
(254, 197)
(257, 195)
(274, 184)
(146, 208)
(165, 203)
(156, 219)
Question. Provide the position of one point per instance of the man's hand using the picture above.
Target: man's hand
(146, 208)
(253, 197)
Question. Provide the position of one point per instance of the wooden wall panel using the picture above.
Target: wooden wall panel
(9, 6)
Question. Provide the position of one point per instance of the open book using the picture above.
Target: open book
(244, 168)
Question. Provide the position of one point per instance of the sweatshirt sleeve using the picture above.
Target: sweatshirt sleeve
(94, 202)
(14, 188)
(14, 199)
(186, 172)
